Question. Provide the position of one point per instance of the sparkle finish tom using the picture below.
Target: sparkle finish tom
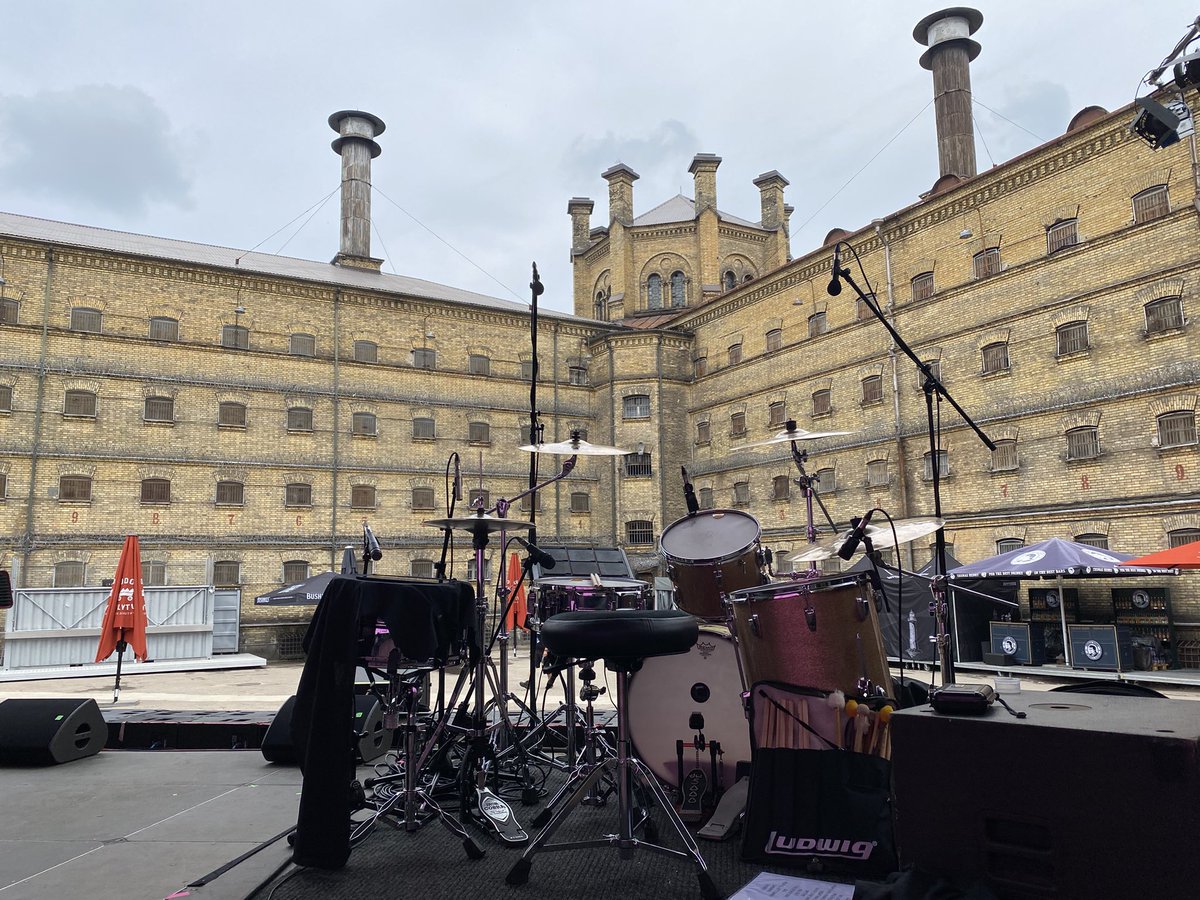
(820, 633)
(574, 592)
(668, 690)
(712, 552)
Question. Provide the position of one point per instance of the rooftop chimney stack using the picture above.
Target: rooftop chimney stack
(356, 145)
(947, 34)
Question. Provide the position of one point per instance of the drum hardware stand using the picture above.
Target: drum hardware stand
(931, 386)
(697, 791)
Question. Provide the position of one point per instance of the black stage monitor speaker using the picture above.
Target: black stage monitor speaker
(41, 732)
(1089, 796)
(1102, 647)
(1024, 641)
(373, 739)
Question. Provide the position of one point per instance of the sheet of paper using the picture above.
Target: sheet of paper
(767, 886)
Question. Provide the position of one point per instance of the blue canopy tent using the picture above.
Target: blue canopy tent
(1058, 559)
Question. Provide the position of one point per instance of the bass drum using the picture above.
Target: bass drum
(668, 690)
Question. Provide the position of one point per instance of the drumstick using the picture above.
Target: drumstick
(802, 709)
(882, 721)
(861, 721)
(836, 701)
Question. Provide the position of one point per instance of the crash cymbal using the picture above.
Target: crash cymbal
(907, 531)
(575, 447)
(475, 523)
(792, 433)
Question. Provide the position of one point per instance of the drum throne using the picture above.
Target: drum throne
(623, 639)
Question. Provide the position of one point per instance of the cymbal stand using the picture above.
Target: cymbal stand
(806, 482)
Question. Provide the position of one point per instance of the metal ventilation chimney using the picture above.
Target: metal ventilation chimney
(356, 146)
(947, 34)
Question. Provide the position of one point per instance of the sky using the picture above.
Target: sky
(206, 120)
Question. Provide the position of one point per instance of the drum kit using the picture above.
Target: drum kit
(687, 712)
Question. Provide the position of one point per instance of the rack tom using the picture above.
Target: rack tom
(709, 553)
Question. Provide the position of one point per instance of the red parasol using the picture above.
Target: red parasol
(516, 606)
(1185, 556)
(125, 616)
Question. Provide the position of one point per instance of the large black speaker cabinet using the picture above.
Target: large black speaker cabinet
(41, 732)
(373, 739)
(1089, 796)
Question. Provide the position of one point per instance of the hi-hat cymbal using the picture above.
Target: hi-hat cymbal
(575, 447)
(907, 531)
(792, 433)
(476, 523)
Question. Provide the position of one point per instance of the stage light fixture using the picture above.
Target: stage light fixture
(1155, 124)
(1187, 71)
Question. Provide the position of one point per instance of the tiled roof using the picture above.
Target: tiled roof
(682, 209)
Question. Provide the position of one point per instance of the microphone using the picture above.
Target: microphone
(857, 532)
(689, 494)
(458, 494)
(537, 556)
(370, 545)
(835, 283)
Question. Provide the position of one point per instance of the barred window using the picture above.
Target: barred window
(1093, 539)
(943, 462)
(877, 473)
(639, 531)
(830, 566)
(299, 418)
(1083, 443)
(741, 493)
(479, 433)
(231, 493)
(9, 311)
(159, 409)
(154, 572)
(704, 498)
(995, 358)
(776, 413)
(362, 496)
(1152, 203)
(156, 490)
(781, 487)
(774, 339)
(163, 328)
(79, 403)
(737, 423)
(1071, 338)
(77, 488)
(935, 369)
(1006, 545)
(987, 262)
(527, 370)
(479, 364)
(235, 337)
(227, 573)
(872, 389)
(825, 481)
(861, 309)
(1177, 429)
(735, 354)
(922, 286)
(1004, 457)
(528, 502)
(600, 307)
(638, 465)
(366, 352)
(5, 398)
(295, 570)
(1164, 314)
(68, 574)
(298, 493)
(301, 344)
(703, 432)
(678, 289)
(654, 291)
(423, 429)
(821, 403)
(364, 424)
(577, 375)
(817, 324)
(1061, 235)
(581, 502)
(700, 365)
(421, 568)
(231, 415)
(84, 318)
(1181, 536)
(637, 406)
(422, 498)
(479, 498)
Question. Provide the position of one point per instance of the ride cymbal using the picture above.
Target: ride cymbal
(575, 447)
(907, 531)
(792, 433)
(476, 523)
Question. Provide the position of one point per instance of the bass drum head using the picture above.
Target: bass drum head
(665, 693)
(711, 535)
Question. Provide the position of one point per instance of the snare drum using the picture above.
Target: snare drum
(574, 592)
(819, 633)
(667, 691)
(708, 553)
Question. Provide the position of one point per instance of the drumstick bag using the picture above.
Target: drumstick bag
(825, 809)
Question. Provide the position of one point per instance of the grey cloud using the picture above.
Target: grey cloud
(660, 151)
(1041, 107)
(105, 146)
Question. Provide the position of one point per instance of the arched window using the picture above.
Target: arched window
(301, 344)
(68, 573)
(156, 490)
(362, 496)
(231, 493)
(295, 571)
(298, 493)
(729, 280)
(299, 418)
(231, 415)
(654, 291)
(678, 289)
(639, 531)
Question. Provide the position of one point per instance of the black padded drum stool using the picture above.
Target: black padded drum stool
(623, 638)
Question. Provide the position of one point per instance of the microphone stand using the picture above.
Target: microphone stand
(932, 387)
(535, 437)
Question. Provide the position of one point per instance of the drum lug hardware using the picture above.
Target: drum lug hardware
(754, 625)
(810, 617)
(861, 609)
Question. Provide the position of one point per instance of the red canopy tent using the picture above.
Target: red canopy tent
(125, 616)
(1185, 556)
